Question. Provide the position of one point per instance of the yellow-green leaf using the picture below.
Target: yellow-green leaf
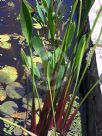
(4, 38)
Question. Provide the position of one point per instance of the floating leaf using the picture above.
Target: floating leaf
(15, 90)
(37, 26)
(4, 38)
(8, 74)
(2, 95)
(8, 108)
(28, 100)
(19, 115)
(5, 45)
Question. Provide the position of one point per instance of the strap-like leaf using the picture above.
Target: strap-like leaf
(26, 21)
(51, 21)
(80, 52)
(39, 47)
(40, 50)
(40, 11)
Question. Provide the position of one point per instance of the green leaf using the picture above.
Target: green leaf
(51, 21)
(60, 76)
(26, 21)
(69, 36)
(8, 108)
(40, 11)
(24, 58)
(29, 6)
(59, 6)
(15, 90)
(4, 38)
(5, 45)
(54, 57)
(39, 48)
(45, 5)
(27, 62)
(48, 2)
(36, 69)
(80, 52)
(8, 74)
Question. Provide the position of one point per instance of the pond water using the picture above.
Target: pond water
(11, 59)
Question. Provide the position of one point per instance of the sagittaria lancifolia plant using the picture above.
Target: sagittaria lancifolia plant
(60, 67)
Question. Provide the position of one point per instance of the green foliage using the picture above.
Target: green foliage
(15, 90)
(38, 46)
(40, 11)
(60, 69)
(80, 53)
(26, 21)
(8, 74)
(5, 45)
(60, 73)
(13, 107)
(51, 21)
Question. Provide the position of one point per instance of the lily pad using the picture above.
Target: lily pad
(5, 45)
(20, 115)
(28, 100)
(4, 38)
(8, 108)
(8, 74)
(2, 95)
(15, 90)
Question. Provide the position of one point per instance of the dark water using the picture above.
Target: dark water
(9, 25)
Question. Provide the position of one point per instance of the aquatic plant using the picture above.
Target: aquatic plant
(60, 61)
